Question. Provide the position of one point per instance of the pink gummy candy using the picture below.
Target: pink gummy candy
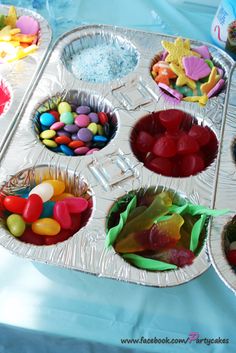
(178, 257)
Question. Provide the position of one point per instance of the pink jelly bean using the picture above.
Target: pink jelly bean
(92, 151)
(81, 150)
(57, 125)
(82, 120)
(61, 214)
(76, 204)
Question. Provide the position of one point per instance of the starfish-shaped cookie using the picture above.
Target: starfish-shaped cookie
(177, 50)
(182, 78)
(212, 81)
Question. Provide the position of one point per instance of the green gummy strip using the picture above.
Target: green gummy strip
(114, 231)
(148, 264)
(196, 210)
(196, 231)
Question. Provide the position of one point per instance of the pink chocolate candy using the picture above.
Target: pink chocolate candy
(81, 150)
(27, 25)
(57, 126)
(92, 151)
(82, 120)
(76, 204)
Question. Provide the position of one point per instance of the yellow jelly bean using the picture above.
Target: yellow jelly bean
(62, 196)
(46, 226)
(49, 143)
(47, 134)
(16, 225)
(58, 186)
(93, 128)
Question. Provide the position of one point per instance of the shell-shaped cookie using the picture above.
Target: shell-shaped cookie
(195, 68)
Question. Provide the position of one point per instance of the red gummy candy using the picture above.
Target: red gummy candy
(159, 165)
(231, 256)
(144, 142)
(165, 147)
(191, 164)
(171, 119)
(178, 257)
(14, 204)
(200, 133)
(187, 145)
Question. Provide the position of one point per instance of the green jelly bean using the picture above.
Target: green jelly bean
(16, 225)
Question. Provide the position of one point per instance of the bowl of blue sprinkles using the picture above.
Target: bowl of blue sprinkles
(100, 58)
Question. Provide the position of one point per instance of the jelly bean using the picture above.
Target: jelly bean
(64, 107)
(16, 225)
(14, 204)
(72, 128)
(93, 117)
(49, 143)
(76, 204)
(30, 237)
(55, 114)
(33, 208)
(62, 140)
(63, 133)
(83, 109)
(103, 118)
(58, 186)
(57, 126)
(46, 226)
(82, 120)
(99, 138)
(61, 214)
(47, 119)
(81, 150)
(47, 134)
(47, 209)
(67, 118)
(93, 127)
(76, 144)
(68, 151)
(62, 196)
(44, 190)
(92, 151)
(85, 135)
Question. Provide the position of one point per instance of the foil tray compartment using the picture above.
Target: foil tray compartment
(114, 170)
(20, 75)
(225, 191)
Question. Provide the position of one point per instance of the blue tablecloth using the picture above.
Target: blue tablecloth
(48, 309)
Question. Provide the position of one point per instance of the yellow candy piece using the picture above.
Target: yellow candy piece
(47, 134)
(14, 31)
(46, 226)
(22, 53)
(11, 17)
(177, 50)
(49, 143)
(62, 196)
(182, 78)
(212, 81)
(202, 100)
(58, 186)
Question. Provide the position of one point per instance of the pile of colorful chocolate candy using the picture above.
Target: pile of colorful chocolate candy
(185, 73)
(172, 143)
(74, 131)
(230, 238)
(18, 36)
(156, 230)
(46, 214)
(5, 97)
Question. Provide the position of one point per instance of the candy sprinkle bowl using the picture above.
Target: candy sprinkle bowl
(44, 205)
(100, 57)
(75, 123)
(159, 231)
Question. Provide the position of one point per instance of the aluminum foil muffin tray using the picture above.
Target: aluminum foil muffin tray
(225, 192)
(113, 171)
(21, 74)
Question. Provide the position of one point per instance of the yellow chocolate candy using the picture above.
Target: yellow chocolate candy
(49, 143)
(62, 196)
(47, 134)
(93, 127)
(177, 50)
(58, 186)
(182, 78)
(46, 226)
(212, 81)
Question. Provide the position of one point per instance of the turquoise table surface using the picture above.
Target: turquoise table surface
(49, 309)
